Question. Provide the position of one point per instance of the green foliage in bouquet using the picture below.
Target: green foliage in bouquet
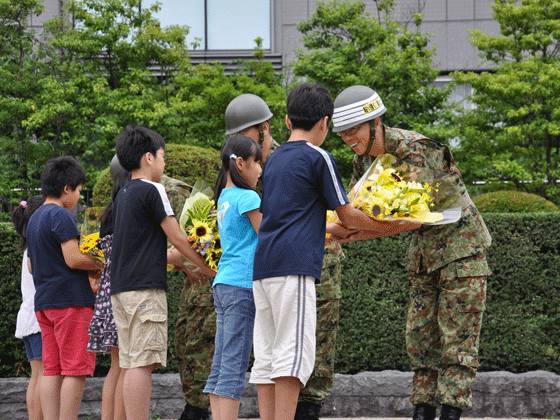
(186, 163)
(513, 202)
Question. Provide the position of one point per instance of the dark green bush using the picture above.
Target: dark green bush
(513, 202)
(13, 359)
(521, 327)
(520, 331)
(187, 163)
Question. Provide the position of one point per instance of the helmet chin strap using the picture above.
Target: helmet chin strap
(371, 139)
(261, 133)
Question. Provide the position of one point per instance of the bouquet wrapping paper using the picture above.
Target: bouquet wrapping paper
(393, 189)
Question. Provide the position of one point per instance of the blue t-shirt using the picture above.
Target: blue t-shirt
(237, 236)
(139, 254)
(56, 284)
(300, 182)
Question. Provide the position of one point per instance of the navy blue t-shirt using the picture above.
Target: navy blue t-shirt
(139, 254)
(300, 183)
(56, 284)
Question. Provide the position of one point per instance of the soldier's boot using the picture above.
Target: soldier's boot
(424, 412)
(194, 413)
(306, 410)
(450, 413)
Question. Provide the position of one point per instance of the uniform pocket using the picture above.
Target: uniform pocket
(463, 285)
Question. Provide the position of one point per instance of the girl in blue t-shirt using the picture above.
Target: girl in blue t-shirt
(27, 327)
(239, 220)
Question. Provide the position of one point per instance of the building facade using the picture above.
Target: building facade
(225, 29)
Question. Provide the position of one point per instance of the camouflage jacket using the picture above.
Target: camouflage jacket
(435, 246)
(177, 192)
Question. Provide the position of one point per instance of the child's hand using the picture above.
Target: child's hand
(339, 232)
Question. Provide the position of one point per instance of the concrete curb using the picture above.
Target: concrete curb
(368, 394)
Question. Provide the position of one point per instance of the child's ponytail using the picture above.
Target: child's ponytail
(21, 215)
(237, 145)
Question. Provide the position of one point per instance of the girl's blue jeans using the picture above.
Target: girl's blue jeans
(235, 309)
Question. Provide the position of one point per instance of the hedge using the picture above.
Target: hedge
(521, 327)
(513, 202)
(187, 163)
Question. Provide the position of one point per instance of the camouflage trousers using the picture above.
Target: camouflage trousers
(443, 331)
(194, 338)
(196, 330)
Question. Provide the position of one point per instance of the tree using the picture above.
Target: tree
(346, 46)
(19, 71)
(513, 133)
(109, 66)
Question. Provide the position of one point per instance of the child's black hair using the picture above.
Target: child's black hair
(21, 215)
(307, 104)
(237, 145)
(135, 142)
(121, 178)
(60, 172)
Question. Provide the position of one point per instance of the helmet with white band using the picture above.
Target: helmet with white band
(356, 105)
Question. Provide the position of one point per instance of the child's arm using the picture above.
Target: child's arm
(180, 241)
(255, 217)
(29, 265)
(358, 219)
(74, 258)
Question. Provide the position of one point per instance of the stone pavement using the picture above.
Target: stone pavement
(368, 395)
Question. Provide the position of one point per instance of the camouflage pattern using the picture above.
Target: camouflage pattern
(447, 271)
(320, 384)
(443, 331)
(196, 316)
(177, 191)
(194, 337)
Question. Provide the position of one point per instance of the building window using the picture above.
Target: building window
(219, 24)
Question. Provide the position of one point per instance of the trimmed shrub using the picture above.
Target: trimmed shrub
(521, 326)
(186, 163)
(513, 202)
(13, 359)
(520, 330)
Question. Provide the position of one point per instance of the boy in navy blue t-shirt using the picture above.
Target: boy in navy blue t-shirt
(300, 183)
(63, 298)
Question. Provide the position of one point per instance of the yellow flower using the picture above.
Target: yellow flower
(201, 231)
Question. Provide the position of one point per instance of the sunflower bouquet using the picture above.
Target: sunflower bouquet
(90, 246)
(199, 223)
(390, 189)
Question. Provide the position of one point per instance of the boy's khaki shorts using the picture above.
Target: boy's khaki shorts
(141, 318)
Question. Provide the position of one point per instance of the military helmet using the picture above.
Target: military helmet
(356, 105)
(244, 112)
(115, 167)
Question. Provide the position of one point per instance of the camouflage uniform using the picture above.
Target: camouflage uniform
(320, 384)
(447, 272)
(196, 317)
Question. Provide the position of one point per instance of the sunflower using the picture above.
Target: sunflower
(200, 230)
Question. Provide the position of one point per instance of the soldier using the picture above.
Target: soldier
(248, 115)
(196, 320)
(447, 264)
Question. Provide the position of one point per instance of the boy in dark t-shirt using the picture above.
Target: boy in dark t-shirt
(143, 221)
(300, 183)
(63, 298)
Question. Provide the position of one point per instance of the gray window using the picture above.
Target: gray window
(219, 24)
